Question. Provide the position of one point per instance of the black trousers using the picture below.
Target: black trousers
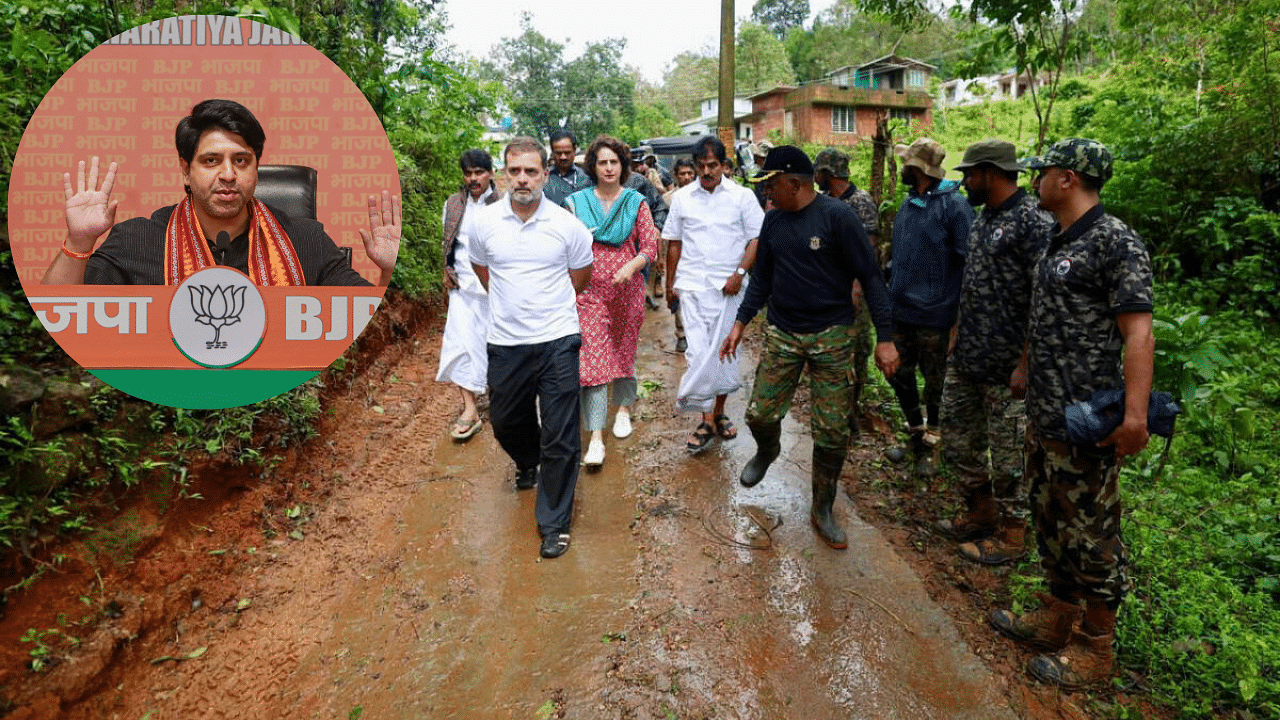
(528, 380)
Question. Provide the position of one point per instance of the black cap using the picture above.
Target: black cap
(784, 160)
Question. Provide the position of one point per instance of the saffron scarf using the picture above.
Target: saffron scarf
(611, 229)
(272, 259)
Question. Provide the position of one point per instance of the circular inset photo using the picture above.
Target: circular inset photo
(204, 211)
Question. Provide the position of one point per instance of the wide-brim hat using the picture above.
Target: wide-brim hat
(1000, 153)
(784, 160)
(925, 155)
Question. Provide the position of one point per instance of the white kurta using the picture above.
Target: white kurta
(464, 359)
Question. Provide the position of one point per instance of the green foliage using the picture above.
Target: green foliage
(591, 94)
(691, 78)
(598, 92)
(42, 40)
(652, 120)
(1204, 625)
(431, 123)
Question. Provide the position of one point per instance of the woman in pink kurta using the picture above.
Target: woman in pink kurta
(611, 309)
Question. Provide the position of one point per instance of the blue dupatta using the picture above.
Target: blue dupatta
(614, 228)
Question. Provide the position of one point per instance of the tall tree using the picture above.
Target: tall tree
(530, 66)
(780, 16)
(761, 61)
(596, 91)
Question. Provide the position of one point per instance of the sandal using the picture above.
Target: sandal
(463, 431)
(701, 438)
(725, 428)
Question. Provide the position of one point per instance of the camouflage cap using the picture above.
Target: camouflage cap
(925, 155)
(833, 161)
(1087, 157)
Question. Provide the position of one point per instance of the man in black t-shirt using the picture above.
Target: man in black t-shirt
(812, 248)
(219, 222)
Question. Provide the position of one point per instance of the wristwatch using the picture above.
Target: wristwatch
(742, 271)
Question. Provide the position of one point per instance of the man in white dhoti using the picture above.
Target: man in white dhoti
(463, 353)
(711, 232)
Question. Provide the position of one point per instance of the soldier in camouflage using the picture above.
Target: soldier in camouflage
(812, 248)
(980, 416)
(1090, 308)
(831, 173)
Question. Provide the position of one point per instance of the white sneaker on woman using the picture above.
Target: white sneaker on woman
(622, 424)
(595, 454)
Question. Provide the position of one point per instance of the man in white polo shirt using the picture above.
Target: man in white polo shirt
(711, 232)
(533, 258)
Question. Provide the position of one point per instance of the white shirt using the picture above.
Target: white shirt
(531, 297)
(713, 229)
(467, 279)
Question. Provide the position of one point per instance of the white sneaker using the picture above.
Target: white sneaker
(595, 454)
(622, 425)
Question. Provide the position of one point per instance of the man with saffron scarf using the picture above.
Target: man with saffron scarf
(219, 222)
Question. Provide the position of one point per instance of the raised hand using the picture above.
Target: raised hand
(90, 211)
(382, 239)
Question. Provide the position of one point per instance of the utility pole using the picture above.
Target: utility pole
(725, 118)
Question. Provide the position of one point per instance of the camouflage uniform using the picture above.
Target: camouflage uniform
(1091, 272)
(827, 354)
(978, 412)
(837, 163)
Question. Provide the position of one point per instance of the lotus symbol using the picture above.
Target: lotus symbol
(217, 307)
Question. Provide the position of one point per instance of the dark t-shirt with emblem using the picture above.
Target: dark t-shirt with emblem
(806, 263)
(1004, 246)
(1097, 269)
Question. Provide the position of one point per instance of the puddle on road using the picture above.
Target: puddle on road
(677, 614)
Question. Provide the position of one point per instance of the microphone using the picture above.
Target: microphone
(222, 245)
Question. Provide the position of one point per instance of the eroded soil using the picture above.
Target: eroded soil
(384, 572)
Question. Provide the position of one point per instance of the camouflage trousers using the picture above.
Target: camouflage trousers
(925, 347)
(984, 431)
(1075, 505)
(827, 355)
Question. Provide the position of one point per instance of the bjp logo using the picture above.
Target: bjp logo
(226, 301)
(217, 307)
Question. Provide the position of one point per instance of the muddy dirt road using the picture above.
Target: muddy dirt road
(414, 589)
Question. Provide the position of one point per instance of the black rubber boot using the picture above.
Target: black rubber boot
(768, 444)
(827, 465)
